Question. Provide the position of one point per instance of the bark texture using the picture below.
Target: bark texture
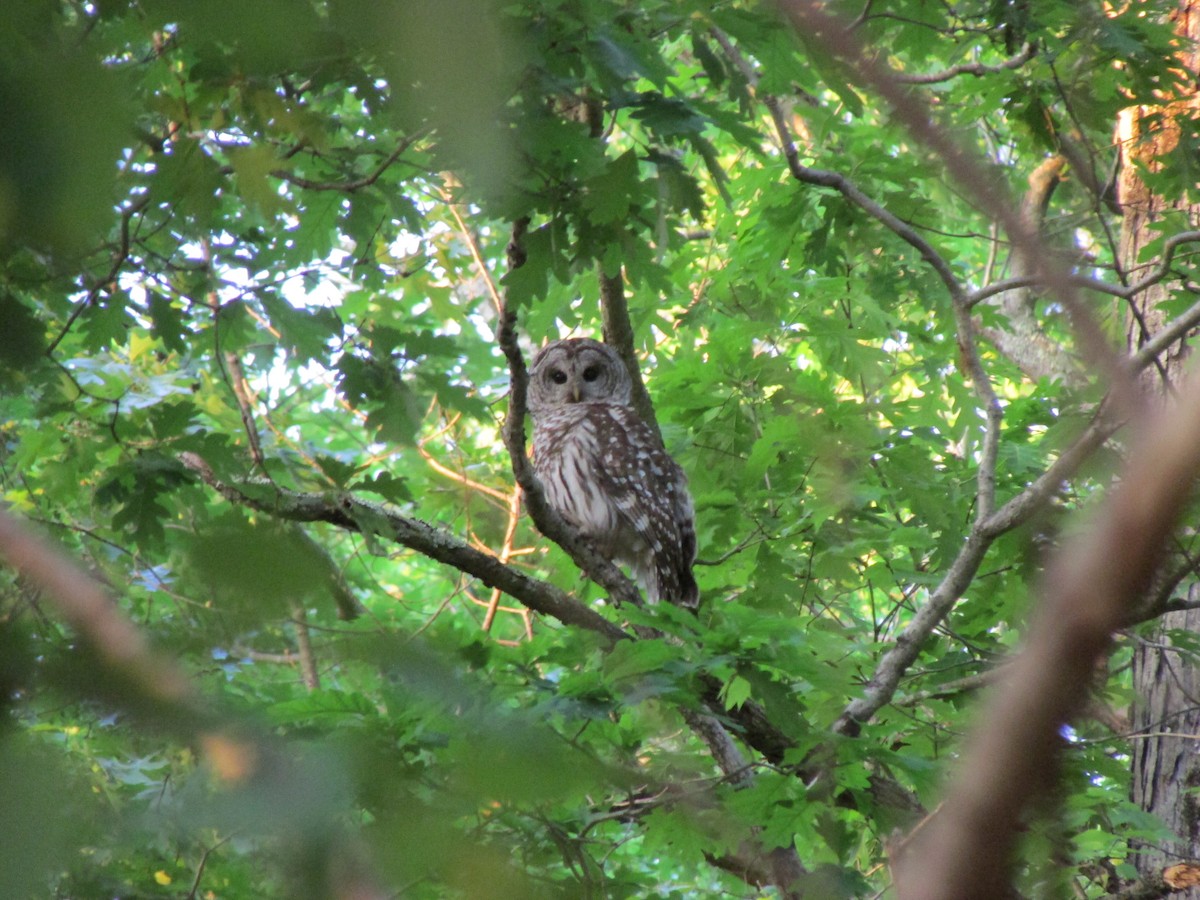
(1166, 758)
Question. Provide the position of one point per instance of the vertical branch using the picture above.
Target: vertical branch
(618, 334)
(233, 369)
(304, 648)
(245, 402)
(513, 431)
(506, 550)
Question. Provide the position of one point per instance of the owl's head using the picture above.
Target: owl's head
(577, 370)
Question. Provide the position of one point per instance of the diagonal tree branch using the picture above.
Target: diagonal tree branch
(820, 27)
(1127, 292)
(354, 514)
(355, 184)
(896, 660)
(1088, 592)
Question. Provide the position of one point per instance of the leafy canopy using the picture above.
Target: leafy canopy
(262, 246)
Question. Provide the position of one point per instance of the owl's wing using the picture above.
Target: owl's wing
(649, 492)
(685, 515)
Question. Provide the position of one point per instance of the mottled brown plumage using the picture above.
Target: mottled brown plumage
(605, 470)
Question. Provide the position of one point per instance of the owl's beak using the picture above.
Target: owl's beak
(575, 394)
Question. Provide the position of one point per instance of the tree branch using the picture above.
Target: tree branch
(896, 660)
(354, 514)
(1023, 340)
(87, 608)
(618, 334)
(304, 648)
(812, 19)
(1018, 510)
(119, 256)
(1027, 52)
(356, 184)
(1088, 592)
(1126, 292)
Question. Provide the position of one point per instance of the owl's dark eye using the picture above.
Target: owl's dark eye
(591, 373)
(558, 376)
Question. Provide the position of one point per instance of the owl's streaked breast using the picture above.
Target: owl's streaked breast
(566, 454)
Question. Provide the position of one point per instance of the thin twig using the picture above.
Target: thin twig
(119, 257)
(1027, 52)
(472, 243)
(506, 552)
(304, 649)
(1127, 292)
(356, 184)
(245, 402)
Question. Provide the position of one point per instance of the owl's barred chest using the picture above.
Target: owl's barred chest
(594, 459)
(597, 434)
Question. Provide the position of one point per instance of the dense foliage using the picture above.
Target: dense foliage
(253, 265)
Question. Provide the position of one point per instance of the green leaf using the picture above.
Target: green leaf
(735, 692)
(340, 708)
(253, 166)
(336, 470)
(258, 568)
(714, 66)
(167, 323)
(391, 488)
(306, 332)
(611, 195)
(105, 322)
(633, 658)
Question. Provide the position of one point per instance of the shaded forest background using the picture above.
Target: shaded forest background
(911, 288)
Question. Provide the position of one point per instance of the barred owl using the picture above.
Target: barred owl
(605, 470)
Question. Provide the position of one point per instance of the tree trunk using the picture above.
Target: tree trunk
(1166, 769)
